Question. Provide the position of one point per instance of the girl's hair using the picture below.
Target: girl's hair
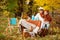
(47, 11)
(28, 14)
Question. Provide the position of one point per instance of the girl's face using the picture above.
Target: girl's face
(45, 13)
(41, 11)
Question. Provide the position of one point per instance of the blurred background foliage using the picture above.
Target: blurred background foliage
(28, 6)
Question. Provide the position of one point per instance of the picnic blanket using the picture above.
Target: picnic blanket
(30, 23)
(35, 22)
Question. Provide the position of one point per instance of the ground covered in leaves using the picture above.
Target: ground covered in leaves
(16, 35)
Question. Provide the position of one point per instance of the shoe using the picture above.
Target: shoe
(32, 34)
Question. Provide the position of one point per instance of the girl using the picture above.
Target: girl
(47, 19)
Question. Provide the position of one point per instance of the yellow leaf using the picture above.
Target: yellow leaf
(6, 13)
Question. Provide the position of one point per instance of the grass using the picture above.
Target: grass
(13, 35)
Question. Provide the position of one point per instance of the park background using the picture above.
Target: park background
(16, 8)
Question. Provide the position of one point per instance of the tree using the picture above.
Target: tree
(48, 4)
